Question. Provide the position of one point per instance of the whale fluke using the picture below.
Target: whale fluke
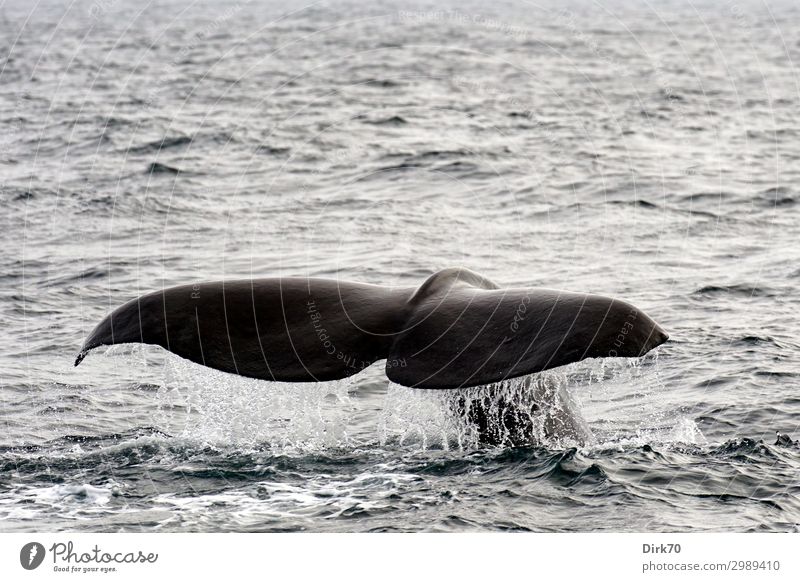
(458, 329)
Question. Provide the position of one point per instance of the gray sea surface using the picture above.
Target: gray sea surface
(641, 149)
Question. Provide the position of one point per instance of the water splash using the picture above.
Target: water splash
(206, 405)
(531, 410)
(632, 405)
(624, 399)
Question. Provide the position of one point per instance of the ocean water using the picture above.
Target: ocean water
(646, 150)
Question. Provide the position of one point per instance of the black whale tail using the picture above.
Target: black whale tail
(141, 320)
(458, 329)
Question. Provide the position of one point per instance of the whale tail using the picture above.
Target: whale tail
(458, 329)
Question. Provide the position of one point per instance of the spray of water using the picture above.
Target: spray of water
(532, 410)
(205, 405)
(629, 403)
(624, 399)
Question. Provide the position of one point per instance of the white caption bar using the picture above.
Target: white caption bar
(374, 557)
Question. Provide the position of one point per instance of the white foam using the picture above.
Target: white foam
(319, 497)
(81, 493)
